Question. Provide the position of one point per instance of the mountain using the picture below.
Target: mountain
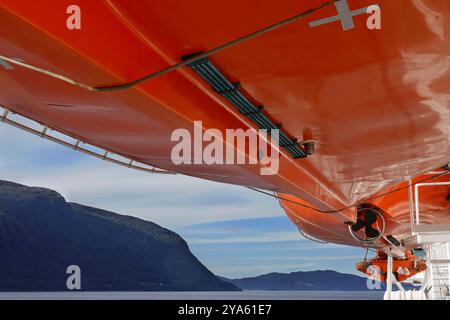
(309, 280)
(41, 235)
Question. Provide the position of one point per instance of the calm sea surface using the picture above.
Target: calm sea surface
(244, 295)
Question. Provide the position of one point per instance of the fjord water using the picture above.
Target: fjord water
(243, 295)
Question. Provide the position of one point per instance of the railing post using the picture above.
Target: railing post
(411, 204)
(389, 276)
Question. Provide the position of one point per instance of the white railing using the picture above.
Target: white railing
(439, 271)
(426, 233)
(416, 196)
(434, 239)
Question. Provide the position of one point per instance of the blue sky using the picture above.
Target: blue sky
(234, 231)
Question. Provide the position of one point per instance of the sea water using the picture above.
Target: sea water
(242, 295)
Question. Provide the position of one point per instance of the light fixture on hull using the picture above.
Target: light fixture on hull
(235, 95)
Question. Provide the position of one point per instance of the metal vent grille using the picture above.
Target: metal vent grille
(231, 92)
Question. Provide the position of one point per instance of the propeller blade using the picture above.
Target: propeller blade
(370, 218)
(358, 225)
(371, 232)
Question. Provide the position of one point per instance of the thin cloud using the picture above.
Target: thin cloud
(268, 237)
(172, 201)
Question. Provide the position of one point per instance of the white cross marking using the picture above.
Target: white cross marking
(345, 15)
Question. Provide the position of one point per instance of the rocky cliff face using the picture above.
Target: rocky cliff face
(41, 235)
